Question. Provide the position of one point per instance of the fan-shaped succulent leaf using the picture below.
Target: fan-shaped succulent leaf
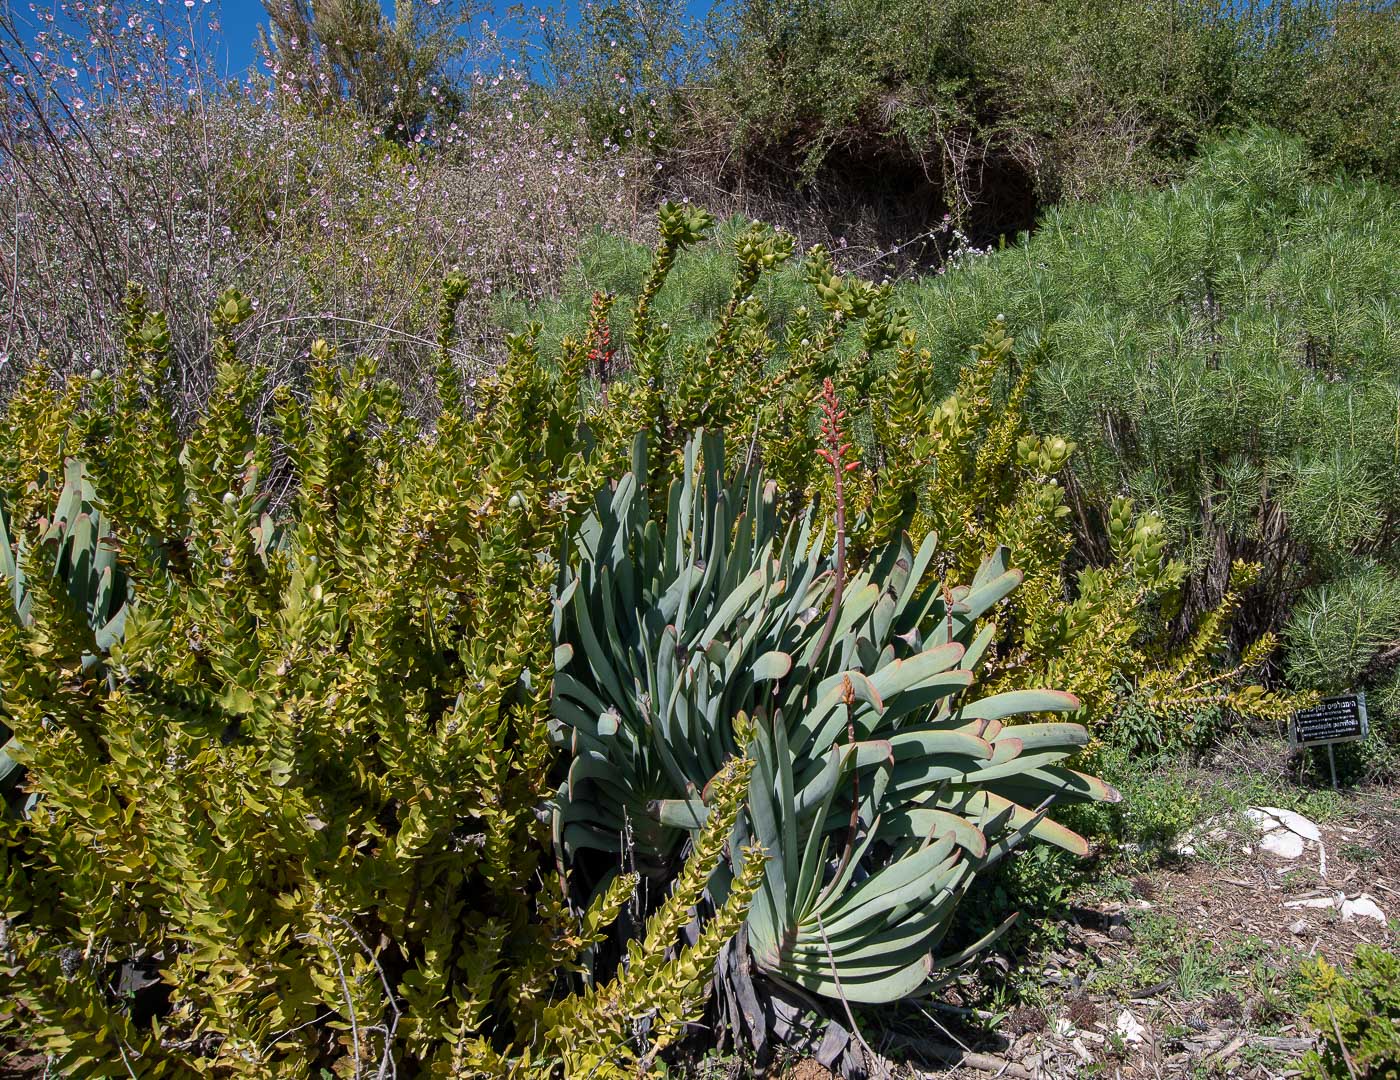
(881, 783)
(83, 554)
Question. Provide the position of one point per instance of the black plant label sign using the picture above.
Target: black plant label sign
(1333, 720)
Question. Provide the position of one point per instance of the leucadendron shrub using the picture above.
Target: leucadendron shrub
(275, 782)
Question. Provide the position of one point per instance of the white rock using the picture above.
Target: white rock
(1262, 819)
(1363, 907)
(1128, 1027)
(1281, 842)
(1317, 902)
(1285, 833)
(1294, 822)
(1299, 928)
(1063, 1028)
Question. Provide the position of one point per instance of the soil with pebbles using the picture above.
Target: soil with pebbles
(1250, 915)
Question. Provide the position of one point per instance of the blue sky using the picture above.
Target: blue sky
(241, 19)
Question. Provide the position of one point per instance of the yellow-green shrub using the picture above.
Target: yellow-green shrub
(290, 818)
(975, 471)
(1357, 1015)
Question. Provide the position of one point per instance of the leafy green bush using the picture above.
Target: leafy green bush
(284, 779)
(1073, 97)
(309, 763)
(397, 72)
(1356, 1015)
(1346, 102)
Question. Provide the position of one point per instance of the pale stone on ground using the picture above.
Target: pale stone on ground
(1129, 1028)
(1363, 907)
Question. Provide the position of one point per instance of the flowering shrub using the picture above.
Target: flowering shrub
(122, 160)
(324, 726)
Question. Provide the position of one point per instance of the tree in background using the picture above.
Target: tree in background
(1353, 96)
(397, 72)
(621, 64)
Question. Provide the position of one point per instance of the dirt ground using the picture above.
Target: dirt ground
(1226, 942)
(1187, 969)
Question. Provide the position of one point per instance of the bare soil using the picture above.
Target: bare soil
(1188, 969)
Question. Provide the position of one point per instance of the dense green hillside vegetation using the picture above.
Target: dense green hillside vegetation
(1223, 351)
(890, 114)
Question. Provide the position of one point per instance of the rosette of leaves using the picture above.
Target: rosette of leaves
(883, 784)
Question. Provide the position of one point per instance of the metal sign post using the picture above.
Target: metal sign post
(1333, 720)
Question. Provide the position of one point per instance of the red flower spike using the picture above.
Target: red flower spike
(837, 447)
(600, 346)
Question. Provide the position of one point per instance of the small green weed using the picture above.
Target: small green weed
(1161, 802)
(1300, 877)
(1114, 887)
(1199, 971)
(1260, 789)
(1360, 854)
(1153, 958)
